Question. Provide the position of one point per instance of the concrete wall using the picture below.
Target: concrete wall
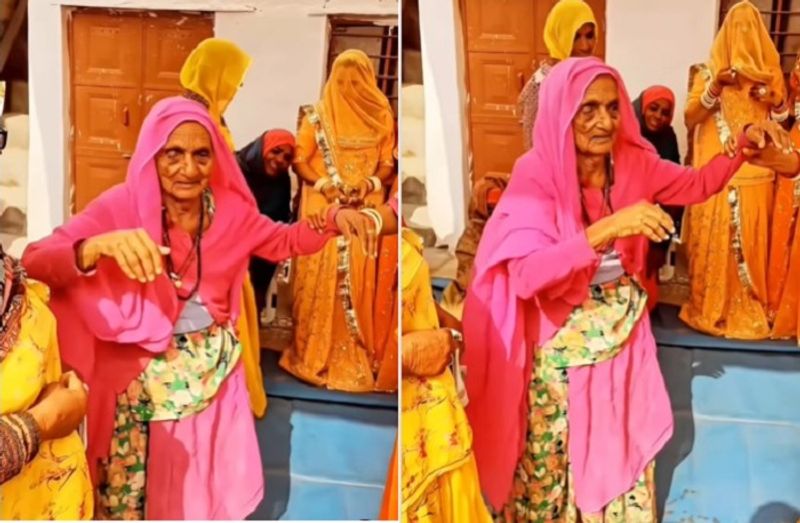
(288, 42)
(446, 124)
(655, 41)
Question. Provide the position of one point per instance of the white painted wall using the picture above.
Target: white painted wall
(655, 41)
(288, 42)
(446, 126)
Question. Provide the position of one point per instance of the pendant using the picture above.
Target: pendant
(176, 280)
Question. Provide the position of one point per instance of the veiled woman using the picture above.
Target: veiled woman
(727, 237)
(344, 153)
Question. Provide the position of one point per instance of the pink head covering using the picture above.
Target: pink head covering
(109, 325)
(541, 208)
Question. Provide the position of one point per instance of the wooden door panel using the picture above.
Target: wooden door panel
(168, 40)
(107, 50)
(495, 148)
(152, 97)
(107, 120)
(94, 175)
(500, 25)
(495, 82)
(122, 64)
(599, 9)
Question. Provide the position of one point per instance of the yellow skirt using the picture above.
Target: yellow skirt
(249, 337)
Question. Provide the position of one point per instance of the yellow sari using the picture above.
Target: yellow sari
(357, 120)
(728, 275)
(55, 484)
(214, 71)
(439, 475)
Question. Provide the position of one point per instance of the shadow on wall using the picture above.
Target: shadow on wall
(776, 512)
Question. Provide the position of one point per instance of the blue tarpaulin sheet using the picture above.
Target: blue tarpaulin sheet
(325, 454)
(735, 454)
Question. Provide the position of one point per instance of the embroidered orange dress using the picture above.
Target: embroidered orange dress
(357, 121)
(727, 237)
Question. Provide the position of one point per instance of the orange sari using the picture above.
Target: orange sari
(389, 505)
(784, 260)
(727, 237)
(357, 121)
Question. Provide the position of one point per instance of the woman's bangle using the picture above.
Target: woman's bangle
(377, 185)
(780, 113)
(322, 183)
(709, 99)
(376, 217)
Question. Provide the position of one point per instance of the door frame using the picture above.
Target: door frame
(49, 171)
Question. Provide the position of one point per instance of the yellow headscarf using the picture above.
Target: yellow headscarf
(214, 70)
(354, 108)
(743, 43)
(563, 21)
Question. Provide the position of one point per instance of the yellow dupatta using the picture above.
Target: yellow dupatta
(214, 71)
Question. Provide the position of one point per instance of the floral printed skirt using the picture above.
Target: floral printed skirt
(176, 384)
(543, 488)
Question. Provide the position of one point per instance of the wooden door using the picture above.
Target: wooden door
(504, 44)
(121, 64)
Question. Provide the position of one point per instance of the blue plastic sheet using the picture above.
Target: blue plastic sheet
(325, 454)
(735, 454)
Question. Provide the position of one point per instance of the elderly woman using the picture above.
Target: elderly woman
(567, 403)
(569, 30)
(265, 164)
(43, 470)
(146, 287)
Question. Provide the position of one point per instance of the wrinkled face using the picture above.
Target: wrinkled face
(278, 159)
(186, 162)
(657, 115)
(585, 40)
(596, 123)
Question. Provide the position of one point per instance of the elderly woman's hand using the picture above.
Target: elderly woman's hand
(354, 224)
(643, 218)
(134, 251)
(61, 407)
(319, 220)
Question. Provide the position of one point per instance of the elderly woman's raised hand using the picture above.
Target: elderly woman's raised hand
(354, 224)
(643, 218)
(133, 250)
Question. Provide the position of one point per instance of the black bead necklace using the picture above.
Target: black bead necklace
(195, 252)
